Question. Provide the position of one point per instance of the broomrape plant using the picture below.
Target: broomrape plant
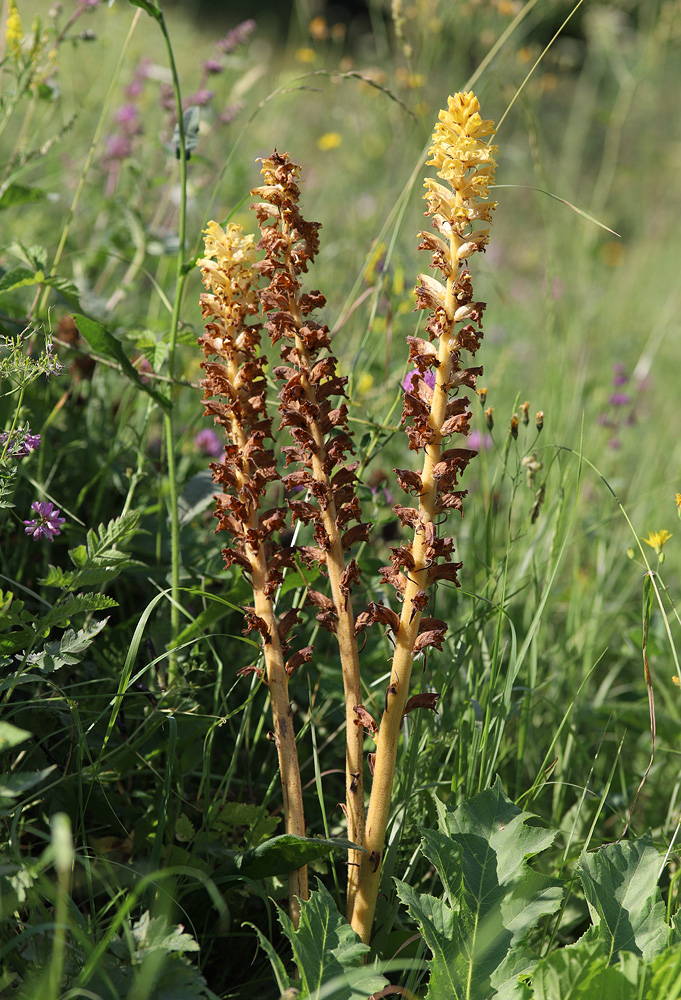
(319, 477)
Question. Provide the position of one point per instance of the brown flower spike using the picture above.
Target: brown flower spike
(235, 395)
(456, 204)
(322, 483)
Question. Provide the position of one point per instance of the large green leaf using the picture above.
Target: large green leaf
(329, 955)
(492, 898)
(277, 856)
(621, 887)
(103, 342)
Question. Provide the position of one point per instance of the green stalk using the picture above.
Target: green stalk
(168, 417)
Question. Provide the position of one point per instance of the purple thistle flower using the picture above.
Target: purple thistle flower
(428, 377)
(47, 524)
(207, 441)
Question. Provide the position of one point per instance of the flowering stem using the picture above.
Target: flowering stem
(345, 634)
(396, 698)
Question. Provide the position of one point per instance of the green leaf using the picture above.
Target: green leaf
(151, 933)
(328, 953)
(569, 972)
(103, 342)
(278, 856)
(15, 278)
(11, 736)
(20, 194)
(68, 650)
(148, 7)
(492, 898)
(621, 887)
(99, 561)
(62, 613)
(12, 785)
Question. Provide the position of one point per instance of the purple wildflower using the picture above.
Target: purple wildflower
(200, 98)
(118, 147)
(478, 441)
(128, 116)
(620, 399)
(408, 384)
(237, 36)
(207, 441)
(23, 443)
(231, 112)
(619, 377)
(47, 524)
(88, 4)
(211, 66)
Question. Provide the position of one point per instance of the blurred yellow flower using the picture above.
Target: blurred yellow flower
(318, 29)
(678, 500)
(305, 55)
(14, 31)
(364, 383)
(330, 140)
(656, 539)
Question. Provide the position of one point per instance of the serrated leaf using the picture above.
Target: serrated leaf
(328, 953)
(153, 933)
(492, 898)
(91, 577)
(184, 829)
(16, 278)
(20, 194)
(65, 287)
(68, 650)
(11, 736)
(566, 973)
(621, 888)
(62, 613)
(100, 340)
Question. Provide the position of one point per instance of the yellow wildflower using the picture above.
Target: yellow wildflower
(14, 31)
(466, 163)
(657, 539)
(364, 383)
(330, 140)
(678, 500)
(305, 55)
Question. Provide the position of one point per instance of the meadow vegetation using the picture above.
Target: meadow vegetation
(181, 799)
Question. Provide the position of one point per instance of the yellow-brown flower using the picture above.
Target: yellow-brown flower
(466, 164)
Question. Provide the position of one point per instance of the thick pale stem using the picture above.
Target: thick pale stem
(284, 735)
(398, 691)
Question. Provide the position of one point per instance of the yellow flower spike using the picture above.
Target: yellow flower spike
(657, 539)
(14, 32)
(678, 504)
